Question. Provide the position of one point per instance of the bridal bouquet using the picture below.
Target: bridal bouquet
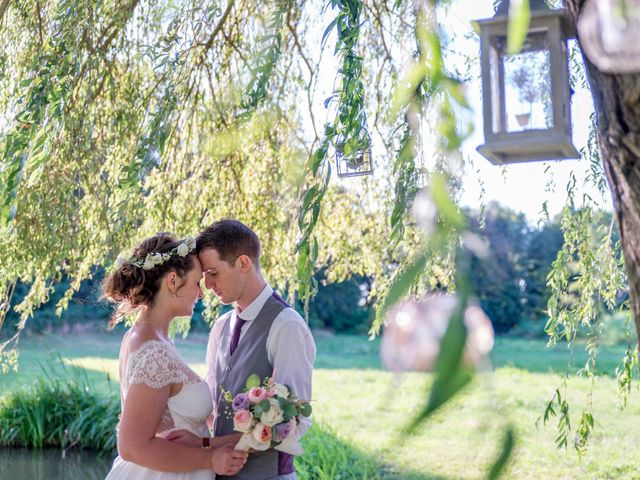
(268, 416)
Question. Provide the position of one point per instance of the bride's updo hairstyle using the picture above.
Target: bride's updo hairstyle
(136, 281)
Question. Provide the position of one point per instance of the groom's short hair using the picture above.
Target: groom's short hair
(230, 238)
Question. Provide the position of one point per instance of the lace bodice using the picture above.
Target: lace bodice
(158, 364)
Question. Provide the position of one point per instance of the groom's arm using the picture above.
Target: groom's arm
(292, 351)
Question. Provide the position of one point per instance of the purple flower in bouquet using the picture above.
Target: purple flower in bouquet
(282, 431)
(240, 402)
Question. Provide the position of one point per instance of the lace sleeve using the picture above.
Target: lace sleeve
(155, 365)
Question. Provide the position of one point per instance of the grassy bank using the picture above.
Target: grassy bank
(359, 409)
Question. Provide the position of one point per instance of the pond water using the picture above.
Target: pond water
(50, 464)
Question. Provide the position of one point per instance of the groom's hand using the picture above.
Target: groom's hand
(227, 461)
(184, 437)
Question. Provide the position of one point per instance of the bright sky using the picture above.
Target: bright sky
(524, 186)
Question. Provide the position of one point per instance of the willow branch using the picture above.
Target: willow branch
(312, 72)
(218, 28)
(3, 8)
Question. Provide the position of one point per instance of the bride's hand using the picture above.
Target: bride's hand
(227, 461)
(232, 438)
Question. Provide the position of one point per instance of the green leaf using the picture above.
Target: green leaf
(327, 31)
(447, 208)
(451, 373)
(519, 18)
(408, 86)
(508, 443)
(253, 381)
(305, 409)
(403, 281)
(291, 410)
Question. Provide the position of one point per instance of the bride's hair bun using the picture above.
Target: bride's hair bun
(130, 286)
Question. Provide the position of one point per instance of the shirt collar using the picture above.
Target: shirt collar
(252, 310)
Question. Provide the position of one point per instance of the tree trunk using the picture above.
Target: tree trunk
(617, 104)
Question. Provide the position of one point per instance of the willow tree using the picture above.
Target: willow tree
(121, 119)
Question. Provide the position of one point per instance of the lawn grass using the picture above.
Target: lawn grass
(359, 410)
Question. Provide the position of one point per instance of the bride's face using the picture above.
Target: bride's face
(190, 292)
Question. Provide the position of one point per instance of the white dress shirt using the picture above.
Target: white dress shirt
(290, 349)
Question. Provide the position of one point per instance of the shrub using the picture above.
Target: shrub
(59, 413)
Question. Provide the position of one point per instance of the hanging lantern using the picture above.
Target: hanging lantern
(610, 34)
(526, 96)
(353, 155)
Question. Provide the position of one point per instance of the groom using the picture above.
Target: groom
(262, 335)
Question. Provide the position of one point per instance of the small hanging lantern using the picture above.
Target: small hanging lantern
(353, 155)
(526, 96)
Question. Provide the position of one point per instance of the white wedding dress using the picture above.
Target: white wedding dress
(157, 365)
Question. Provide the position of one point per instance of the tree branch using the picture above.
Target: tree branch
(3, 8)
(218, 28)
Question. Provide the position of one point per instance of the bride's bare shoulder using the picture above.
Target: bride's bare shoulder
(135, 338)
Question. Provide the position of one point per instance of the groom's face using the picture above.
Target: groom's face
(223, 278)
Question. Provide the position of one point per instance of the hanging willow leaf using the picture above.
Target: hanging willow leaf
(404, 279)
(269, 47)
(508, 443)
(451, 373)
(519, 18)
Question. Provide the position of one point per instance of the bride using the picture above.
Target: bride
(159, 392)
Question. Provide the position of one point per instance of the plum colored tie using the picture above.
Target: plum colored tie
(235, 336)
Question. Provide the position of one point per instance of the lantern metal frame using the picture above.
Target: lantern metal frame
(365, 167)
(502, 146)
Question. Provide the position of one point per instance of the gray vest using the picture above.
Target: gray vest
(232, 372)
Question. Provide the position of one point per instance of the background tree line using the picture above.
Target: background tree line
(510, 282)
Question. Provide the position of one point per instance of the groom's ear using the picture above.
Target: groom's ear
(244, 262)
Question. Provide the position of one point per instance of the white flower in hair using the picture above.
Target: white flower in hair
(152, 260)
(120, 261)
(149, 263)
(182, 249)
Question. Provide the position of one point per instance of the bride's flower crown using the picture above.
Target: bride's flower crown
(154, 259)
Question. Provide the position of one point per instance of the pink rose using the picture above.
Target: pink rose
(262, 433)
(257, 394)
(242, 421)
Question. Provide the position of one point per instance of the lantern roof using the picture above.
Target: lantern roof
(503, 7)
(539, 10)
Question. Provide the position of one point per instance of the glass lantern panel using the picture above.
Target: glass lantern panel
(523, 85)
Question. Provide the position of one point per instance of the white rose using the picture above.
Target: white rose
(182, 249)
(281, 390)
(149, 263)
(273, 416)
